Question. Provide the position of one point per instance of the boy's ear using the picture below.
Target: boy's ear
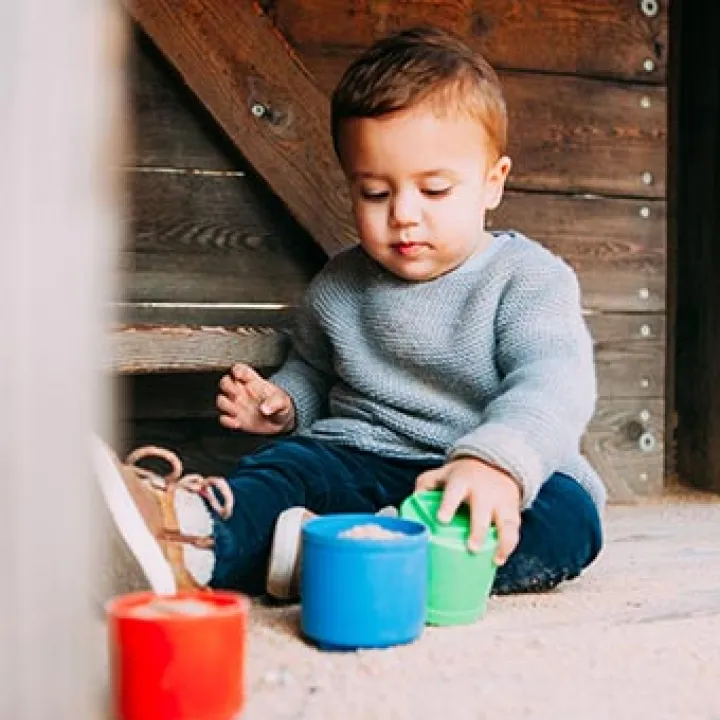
(496, 182)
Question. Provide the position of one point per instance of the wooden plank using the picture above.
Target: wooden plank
(199, 238)
(630, 351)
(617, 247)
(234, 60)
(588, 37)
(624, 443)
(612, 445)
(570, 134)
(567, 134)
(630, 354)
(172, 128)
(697, 388)
(148, 349)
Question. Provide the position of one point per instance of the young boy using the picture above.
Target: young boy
(433, 355)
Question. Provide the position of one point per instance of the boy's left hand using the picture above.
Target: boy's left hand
(492, 495)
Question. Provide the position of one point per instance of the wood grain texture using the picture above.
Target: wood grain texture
(617, 246)
(570, 134)
(630, 354)
(624, 443)
(606, 38)
(567, 134)
(199, 238)
(242, 70)
(172, 128)
(611, 444)
(148, 349)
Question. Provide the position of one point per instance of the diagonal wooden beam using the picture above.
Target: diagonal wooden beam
(243, 71)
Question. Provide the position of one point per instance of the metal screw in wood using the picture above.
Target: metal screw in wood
(645, 330)
(646, 442)
(644, 415)
(647, 178)
(645, 102)
(643, 293)
(258, 110)
(645, 212)
(649, 65)
(649, 8)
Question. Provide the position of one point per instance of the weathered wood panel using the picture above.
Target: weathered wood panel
(616, 246)
(172, 127)
(199, 238)
(624, 443)
(248, 77)
(567, 134)
(629, 351)
(612, 444)
(148, 349)
(588, 37)
(577, 135)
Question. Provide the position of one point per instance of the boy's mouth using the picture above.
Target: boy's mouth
(407, 249)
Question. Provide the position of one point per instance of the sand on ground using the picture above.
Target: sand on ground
(638, 636)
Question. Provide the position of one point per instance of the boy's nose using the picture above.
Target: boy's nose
(405, 210)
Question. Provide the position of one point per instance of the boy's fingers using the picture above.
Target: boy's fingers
(508, 536)
(453, 497)
(225, 405)
(430, 480)
(228, 386)
(479, 525)
(276, 404)
(230, 422)
(243, 373)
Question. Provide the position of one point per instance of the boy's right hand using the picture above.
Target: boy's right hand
(249, 402)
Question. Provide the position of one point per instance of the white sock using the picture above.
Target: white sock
(194, 519)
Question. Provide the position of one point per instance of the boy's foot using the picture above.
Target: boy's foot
(283, 578)
(160, 530)
(284, 566)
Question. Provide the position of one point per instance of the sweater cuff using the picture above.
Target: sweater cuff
(304, 398)
(508, 450)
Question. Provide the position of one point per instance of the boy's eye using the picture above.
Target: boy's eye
(437, 192)
(376, 196)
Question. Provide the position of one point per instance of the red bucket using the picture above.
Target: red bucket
(179, 657)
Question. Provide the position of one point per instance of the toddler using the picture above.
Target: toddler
(434, 354)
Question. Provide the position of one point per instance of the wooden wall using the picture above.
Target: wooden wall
(586, 84)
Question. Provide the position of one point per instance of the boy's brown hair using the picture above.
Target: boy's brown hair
(415, 66)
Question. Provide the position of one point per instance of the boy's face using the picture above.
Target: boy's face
(420, 186)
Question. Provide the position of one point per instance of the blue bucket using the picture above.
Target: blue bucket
(363, 593)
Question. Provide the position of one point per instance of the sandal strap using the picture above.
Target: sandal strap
(215, 490)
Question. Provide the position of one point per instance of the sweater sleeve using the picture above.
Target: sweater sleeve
(547, 393)
(307, 374)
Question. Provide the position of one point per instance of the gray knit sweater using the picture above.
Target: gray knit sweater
(492, 360)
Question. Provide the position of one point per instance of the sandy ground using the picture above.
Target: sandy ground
(638, 636)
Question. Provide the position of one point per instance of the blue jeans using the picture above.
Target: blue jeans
(560, 534)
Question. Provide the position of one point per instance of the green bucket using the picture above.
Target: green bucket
(459, 581)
